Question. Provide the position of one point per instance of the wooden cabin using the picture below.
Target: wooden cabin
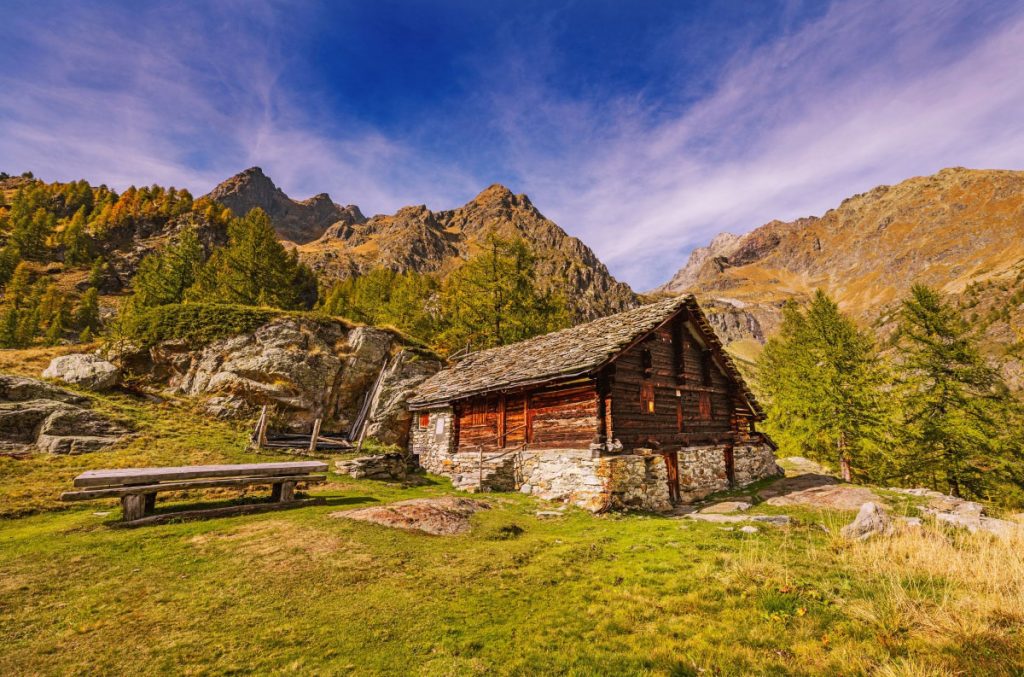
(639, 409)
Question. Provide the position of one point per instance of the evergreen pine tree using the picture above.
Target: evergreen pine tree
(957, 409)
(255, 269)
(165, 276)
(824, 384)
(493, 299)
(76, 244)
(87, 314)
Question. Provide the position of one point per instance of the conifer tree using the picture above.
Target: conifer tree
(493, 299)
(164, 277)
(76, 244)
(957, 408)
(255, 269)
(824, 384)
(30, 234)
(87, 314)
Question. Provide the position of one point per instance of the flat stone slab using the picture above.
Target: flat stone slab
(830, 496)
(437, 516)
(725, 507)
(716, 519)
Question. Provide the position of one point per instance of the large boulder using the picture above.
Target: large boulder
(37, 415)
(303, 369)
(85, 370)
(19, 389)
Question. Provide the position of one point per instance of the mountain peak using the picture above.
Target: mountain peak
(298, 221)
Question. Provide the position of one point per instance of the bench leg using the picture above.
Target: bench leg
(133, 506)
(150, 503)
(283, 492)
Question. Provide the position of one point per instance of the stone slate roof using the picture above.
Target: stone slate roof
(576, 351)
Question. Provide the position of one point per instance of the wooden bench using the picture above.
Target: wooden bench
(137, 487)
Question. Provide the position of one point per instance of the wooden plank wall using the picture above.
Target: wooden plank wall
(637, 428)
(559, 417)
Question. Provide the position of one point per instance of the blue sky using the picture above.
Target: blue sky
(644, 128)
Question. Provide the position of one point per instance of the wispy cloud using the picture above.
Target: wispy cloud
(172, 96)
(870, 93)
(786, 124)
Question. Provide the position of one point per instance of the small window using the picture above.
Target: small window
(704, 403)
(647, 398)
(647, 360)
(424, 420)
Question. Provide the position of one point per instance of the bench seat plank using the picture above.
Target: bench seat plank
(116, 492)
(132, 476)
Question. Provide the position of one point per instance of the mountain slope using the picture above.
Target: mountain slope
(959, 230)
(295, 220)
(418, 239)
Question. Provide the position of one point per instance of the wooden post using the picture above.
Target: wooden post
(316, 434)
(260, 434)
(480, 471)
(133, 507)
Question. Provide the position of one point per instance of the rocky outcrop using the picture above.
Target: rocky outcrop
(294, 220)
(85, 370)
(418, 239)
(960, 230)
(39, 416)
(302, 369)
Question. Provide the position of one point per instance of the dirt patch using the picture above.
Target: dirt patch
(438, 516)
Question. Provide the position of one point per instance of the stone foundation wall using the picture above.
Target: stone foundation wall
(701, 472)
(754, 461)
(589, 478)
(702, 469)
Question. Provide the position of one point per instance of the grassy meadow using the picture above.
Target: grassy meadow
(298, 592)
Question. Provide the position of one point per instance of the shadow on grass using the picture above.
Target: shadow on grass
(193, 510)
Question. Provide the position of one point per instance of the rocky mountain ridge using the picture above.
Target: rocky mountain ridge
(959, 230)
(298, 221)
(418, 239)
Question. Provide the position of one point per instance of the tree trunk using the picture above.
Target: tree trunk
(844, 459)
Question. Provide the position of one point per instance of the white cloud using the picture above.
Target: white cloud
(868, 94)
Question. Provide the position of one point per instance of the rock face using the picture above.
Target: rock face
(84, 370)
(418, 239)
(37, 415)
(437, 516)
(958, 230)
(298, 221)
(303, 369)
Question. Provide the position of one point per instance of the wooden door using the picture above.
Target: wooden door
(672, 464)
(730, 467)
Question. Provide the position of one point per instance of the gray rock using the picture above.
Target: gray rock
(717, 519)
(389, 417)
(749, 529)
(85, 370)
(912, 521)
(302, 369)
(51, 425)
(872, 519)
(18, 389)
(526, 488)
(548, 514)
(777, 520)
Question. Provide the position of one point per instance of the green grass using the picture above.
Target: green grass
(299, 592)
